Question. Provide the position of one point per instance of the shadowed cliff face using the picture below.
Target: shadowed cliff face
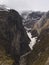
(13, 36)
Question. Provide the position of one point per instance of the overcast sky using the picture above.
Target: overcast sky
(35, 5)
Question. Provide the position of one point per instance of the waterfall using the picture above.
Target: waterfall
(33, 40)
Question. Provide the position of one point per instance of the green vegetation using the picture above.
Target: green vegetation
(4, 58)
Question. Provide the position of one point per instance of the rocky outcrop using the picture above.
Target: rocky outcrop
(42, 24)
(40, 52)
(30, 18)
(13, 36)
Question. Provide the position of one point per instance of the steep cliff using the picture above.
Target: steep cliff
(40, 52)
(13, 37)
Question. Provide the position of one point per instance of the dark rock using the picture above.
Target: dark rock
(34, 33)
(14, 35)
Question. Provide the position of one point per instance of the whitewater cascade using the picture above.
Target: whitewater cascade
(33, 40)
